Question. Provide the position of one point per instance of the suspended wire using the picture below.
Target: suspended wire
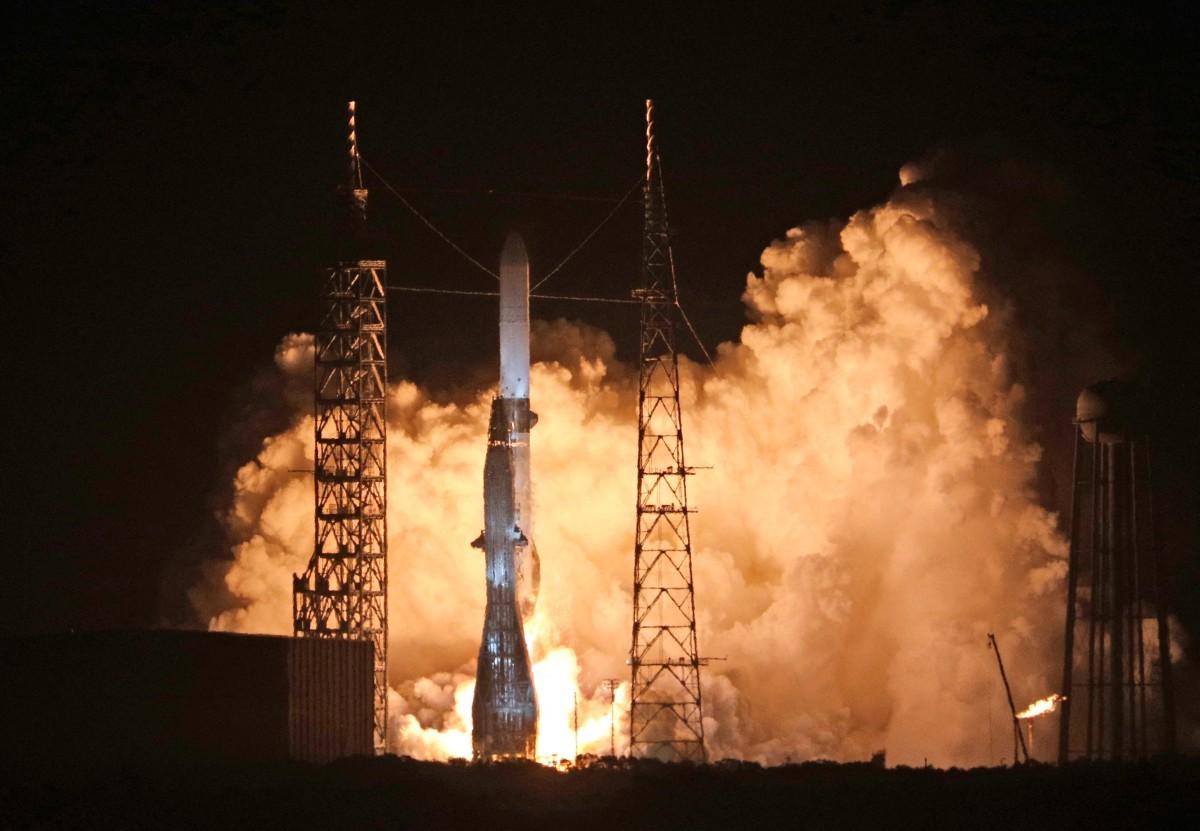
(569, 297)
(446, 239)
(636, 185)
(430, 290)
(428, 224)
(662, 196)
(695, 336)
(577, 298)
(540, 194)
(523, 194)
(625, 300)
(573, 297)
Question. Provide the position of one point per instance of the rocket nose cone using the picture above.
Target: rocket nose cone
(514, 255)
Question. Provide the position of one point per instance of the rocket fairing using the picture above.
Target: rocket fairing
(504, 710)
(514, 319)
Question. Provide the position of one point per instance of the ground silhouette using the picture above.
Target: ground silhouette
(397, 792)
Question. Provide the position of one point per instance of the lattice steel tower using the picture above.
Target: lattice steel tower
(1117, 663)
(665, 719)
(343, 592)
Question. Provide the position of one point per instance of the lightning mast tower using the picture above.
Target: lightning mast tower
(665, 715)
(343, 592)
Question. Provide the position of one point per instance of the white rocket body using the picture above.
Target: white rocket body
(514, 319)
(514, 385)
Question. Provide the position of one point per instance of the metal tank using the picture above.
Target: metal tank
(1116, 662)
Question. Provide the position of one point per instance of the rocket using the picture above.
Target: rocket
(514, 387)
(504, 710)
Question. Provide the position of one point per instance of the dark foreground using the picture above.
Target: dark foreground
(397, 793)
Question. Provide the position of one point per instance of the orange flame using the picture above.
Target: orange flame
(1042, 706)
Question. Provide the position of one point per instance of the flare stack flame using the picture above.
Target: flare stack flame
(1042, 706)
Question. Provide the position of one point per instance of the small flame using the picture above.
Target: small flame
(1042, 706)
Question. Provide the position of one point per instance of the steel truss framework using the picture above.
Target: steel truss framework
(1117, 666)
(343, 592)
(666, 716)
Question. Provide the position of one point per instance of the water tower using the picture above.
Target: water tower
(1116, 667)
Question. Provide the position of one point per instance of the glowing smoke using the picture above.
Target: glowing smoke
(869, 519)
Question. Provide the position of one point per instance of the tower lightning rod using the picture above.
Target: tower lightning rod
(358, 193)
(1018, 736)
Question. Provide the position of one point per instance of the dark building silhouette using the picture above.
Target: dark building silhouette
(137, 699)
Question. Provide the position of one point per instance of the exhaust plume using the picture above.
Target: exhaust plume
(870, 516)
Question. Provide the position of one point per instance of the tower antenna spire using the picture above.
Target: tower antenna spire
(666, 716)
(651, 148)
(354, 184)
(343, 591)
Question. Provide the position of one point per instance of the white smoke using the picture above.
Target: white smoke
(869, 518)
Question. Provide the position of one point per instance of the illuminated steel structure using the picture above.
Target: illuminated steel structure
(343, 592)
(1117, 666)
(665, 708)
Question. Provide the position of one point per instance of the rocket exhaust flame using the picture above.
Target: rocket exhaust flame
(871, 514)
(1041, 707)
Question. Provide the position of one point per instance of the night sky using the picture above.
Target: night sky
(168, 188)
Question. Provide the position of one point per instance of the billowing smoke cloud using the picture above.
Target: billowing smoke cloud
(870, 516)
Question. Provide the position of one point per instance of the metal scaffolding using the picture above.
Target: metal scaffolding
(1116, 663)
(665, 707)
(343, 592)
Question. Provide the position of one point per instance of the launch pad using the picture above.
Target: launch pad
(343, 595)
(343, 592)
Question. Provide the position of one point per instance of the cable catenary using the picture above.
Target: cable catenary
(461, 292)
(427, 222)
(636, 186)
